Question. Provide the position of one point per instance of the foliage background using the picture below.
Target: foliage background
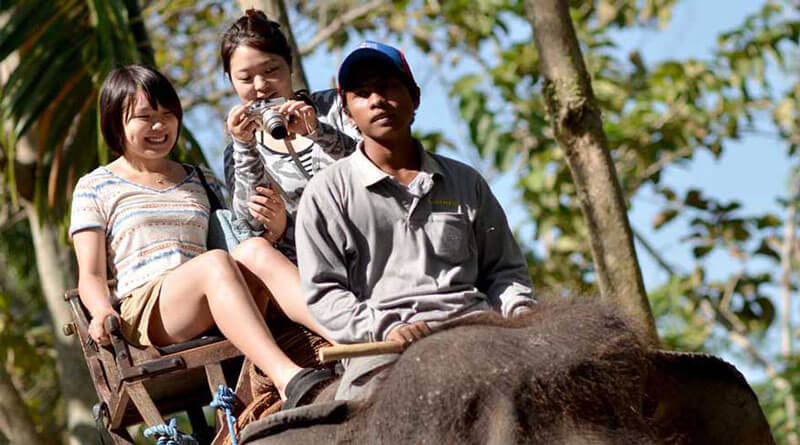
(702, 127)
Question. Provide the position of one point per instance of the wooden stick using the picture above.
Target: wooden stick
(333, 353)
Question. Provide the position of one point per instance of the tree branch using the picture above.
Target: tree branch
(8, 220)
(653, 252)
(662, 163)
(212, 98)
(789, 230)
(341, 23)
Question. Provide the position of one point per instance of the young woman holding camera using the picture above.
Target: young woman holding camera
(264, 177)
(266, 173)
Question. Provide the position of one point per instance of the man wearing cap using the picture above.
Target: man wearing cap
(393, 240)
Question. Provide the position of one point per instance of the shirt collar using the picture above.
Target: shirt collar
(369, 174)
(429, 163)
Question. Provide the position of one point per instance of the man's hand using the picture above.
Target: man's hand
(521, 311)
(268, 208)
(409, 333)
(97, 329)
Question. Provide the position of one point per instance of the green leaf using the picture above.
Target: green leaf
(767, 221)
(66, 50)
(766, 310)
(765, 250)
(664, 217)
(694, 199)
(701, 251)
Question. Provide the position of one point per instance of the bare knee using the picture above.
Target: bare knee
(255, 252)
(220, 267)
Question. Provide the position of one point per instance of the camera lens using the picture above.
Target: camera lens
(275, 125)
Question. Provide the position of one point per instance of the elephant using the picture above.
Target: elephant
(568, 373)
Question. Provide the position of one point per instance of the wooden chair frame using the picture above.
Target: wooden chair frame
(135, 384)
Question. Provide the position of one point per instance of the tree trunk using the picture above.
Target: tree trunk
(15, 423)
(56, 276)
(276, 10)
(576, 121)
(787, 329)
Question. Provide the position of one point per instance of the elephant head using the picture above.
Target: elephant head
(567, 373)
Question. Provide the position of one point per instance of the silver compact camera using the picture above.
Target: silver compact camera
(269, 120)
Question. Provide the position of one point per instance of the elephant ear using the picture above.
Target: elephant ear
(701, 399)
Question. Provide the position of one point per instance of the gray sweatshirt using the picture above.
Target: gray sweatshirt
(247, 166)
(374, 254)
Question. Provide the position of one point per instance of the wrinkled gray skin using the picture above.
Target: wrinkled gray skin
(566, 374)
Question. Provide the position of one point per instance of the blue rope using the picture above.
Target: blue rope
(224, 400)
(169, 434)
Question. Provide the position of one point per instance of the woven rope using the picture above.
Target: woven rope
(168, 434)
(225, 400)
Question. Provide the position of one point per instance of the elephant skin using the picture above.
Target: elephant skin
(566, 374)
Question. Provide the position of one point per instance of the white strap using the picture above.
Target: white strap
(295, 158)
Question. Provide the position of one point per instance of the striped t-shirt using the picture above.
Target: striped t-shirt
(148, 231)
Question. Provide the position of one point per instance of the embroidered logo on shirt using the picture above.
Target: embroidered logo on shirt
(445, 205)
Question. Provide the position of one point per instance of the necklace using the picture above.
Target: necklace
(160, 178)
(150, 176)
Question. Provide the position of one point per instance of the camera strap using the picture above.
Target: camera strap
(295, 158)
(213, 200)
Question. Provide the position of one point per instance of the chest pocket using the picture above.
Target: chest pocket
(449, 235)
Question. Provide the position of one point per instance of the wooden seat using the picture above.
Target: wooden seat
(137, 384)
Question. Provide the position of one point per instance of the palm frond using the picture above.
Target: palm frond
(65, 50)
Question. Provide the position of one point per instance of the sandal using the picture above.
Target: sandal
(299, 390)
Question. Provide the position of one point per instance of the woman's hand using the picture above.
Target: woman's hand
(268, 208)
(241, 127)
(97, 329)
(301, 117)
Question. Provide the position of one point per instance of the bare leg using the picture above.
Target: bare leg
(281, 278)
(210, 290)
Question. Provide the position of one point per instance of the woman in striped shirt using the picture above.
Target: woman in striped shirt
(144, 218)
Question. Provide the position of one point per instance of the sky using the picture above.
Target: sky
(692, 32)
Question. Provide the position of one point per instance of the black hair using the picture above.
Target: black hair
(118, 96)
(255, 30)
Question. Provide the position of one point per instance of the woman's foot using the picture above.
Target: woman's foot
(283, 380)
